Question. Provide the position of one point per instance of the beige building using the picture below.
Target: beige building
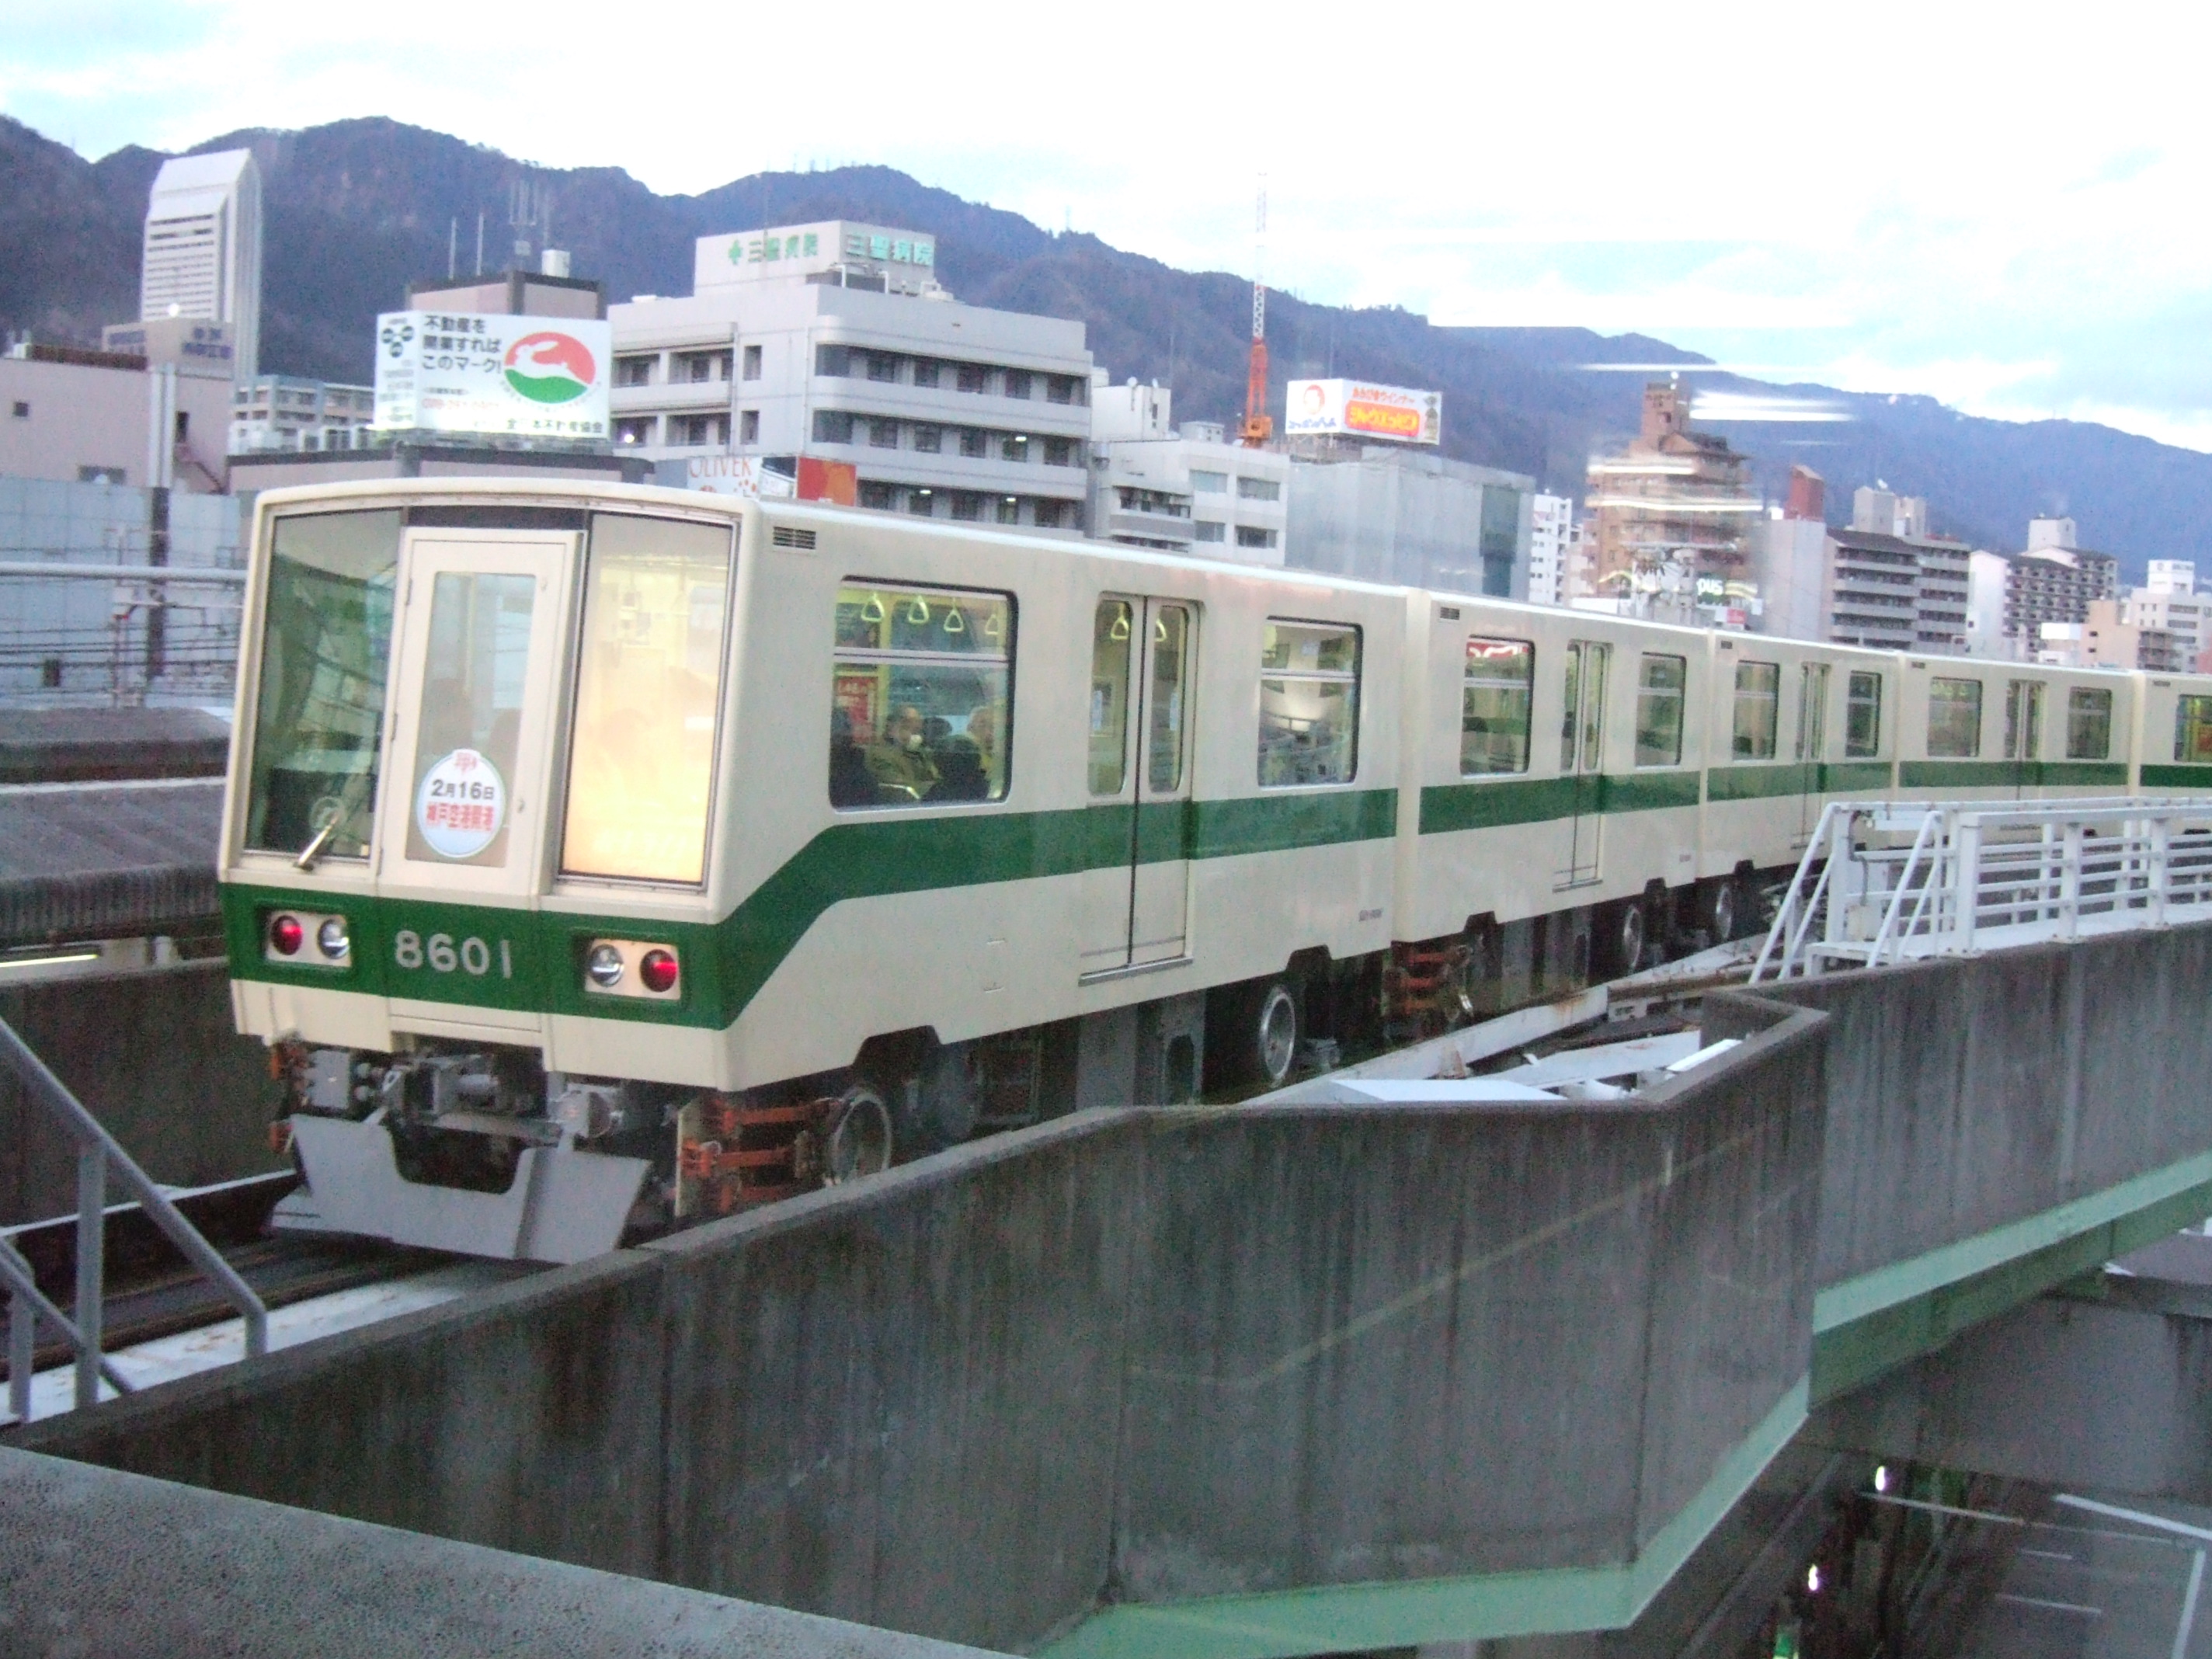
(87, 416)
(1671, 517)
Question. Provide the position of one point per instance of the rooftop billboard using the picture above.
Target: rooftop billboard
(1359, 409)
(488, 373)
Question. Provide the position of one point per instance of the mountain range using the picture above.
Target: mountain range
(354, 210)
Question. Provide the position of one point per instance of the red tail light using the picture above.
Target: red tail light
(286, 935)
(658, 971)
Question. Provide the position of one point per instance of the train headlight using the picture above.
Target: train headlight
(330, 939)
(658, 971)
(605, 965)
(286, 935)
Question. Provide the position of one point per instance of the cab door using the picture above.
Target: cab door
(1136, 899)
(481, 619)
(1581, 757)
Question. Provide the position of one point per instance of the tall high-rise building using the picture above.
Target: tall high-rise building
(1672, 517)
(1550, 541)
(202, 253)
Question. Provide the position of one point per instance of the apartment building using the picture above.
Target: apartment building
(835, 341)
(1551, 544)
(283, 413)
(1183, 490)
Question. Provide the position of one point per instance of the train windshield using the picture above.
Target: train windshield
(325, 649)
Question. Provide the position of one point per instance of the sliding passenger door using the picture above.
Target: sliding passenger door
(1811, 743)
(1136, 901)
(1582, 757)
(2023, 734)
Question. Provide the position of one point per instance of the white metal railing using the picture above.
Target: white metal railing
(1883, 882)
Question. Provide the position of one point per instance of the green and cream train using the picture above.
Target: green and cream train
(600, 858)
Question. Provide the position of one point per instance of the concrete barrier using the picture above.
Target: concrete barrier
(1253, 1357)
(204, 1572)
(153, 1054)
(1997, 1125)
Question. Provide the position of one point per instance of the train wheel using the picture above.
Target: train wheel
(1723, 910)
(1274, 1033)
(1625, 938)
(859, 1138)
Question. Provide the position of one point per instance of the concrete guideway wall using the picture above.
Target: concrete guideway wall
(1532, 1356)
(152, 1055)
(1997, 1125)
(338, 1589)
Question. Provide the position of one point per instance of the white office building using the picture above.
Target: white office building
(835, 341)
(282, 414)
(2169, 603)
(1551, 544)
(202, 251)
(1184, 490)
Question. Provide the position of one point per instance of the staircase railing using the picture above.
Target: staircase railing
(97, 1152)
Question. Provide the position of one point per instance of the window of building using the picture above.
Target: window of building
(319, 716)
(2192, 731)
(881, 496)
(1208, 531)
(832, 426)
(693, 368)
(634, 371)
(883, 434)
(753, 362)
(1497, 699)
(749, 426)
(926, 371)
(1309, 703)
(1661, 683)
(1954, 719)
(1017, 383)
(22, 410)
(973, 442)
(1208, 483)
(920, 706)
(691, 430)
(834, 360)
(967, 505)
(1060, 388)
(1757, 709)
(922, 503)
(1863, 717)
(106, 475)
(1247, 536)
(1009, 509)
(1052, 515)
(649, 695)
(929, 440)
(1258, 490)
(972, 377)
(1060, 452)
(883, 366)
(2088, 723)
(1014, 447)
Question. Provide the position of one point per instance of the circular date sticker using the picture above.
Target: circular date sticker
(461, 805)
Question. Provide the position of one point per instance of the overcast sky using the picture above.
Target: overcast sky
(2000, 206)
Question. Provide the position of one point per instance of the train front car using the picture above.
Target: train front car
(465, 850)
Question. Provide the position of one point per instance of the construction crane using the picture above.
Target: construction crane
(1259, 426)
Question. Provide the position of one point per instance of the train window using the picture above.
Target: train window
(1495, 707)
(921, 699)
(475, 666)
(1954, 719)
(1757, 709)
(326, 648)
(2088, 723)
(1110, 630)
(1659, 689)
(1165, 702)
(648, 691)
(1863, 717)
(2192, 730)
(1309, 703)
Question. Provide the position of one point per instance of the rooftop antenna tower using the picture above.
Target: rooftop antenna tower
(1258, 426)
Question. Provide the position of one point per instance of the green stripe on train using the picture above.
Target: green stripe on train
(532, 961)
(2012, 775)
(2184, 776)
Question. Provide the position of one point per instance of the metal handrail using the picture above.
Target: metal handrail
(96, 1151)
(1984, 874)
